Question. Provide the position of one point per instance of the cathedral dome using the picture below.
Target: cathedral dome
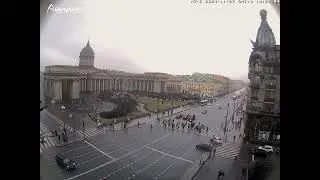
(265, 36)
(87, 50)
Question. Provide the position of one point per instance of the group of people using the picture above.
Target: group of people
(188, 125)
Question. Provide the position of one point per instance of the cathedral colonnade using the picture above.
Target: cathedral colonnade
(65, 88)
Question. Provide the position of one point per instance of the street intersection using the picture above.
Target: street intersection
(139, 152)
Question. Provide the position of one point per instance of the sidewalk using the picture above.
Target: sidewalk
(195, 168)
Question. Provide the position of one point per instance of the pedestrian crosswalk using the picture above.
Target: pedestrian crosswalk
(92, 132)
(59, 121)
(229, 151)
(204, 132)
(49, 142)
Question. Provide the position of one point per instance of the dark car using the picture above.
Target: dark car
(204, 147)
(65, 162)
(259, 152)
(204, 112)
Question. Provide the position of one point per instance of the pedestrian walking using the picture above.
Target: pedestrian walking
(151, 126)
(138, 123)
(207, 129)
(234, 138)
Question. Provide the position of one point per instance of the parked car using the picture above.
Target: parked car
(204, 147)
(217, 140)
(259, 152)
(62, 107)
(266, 148)
(65, 162)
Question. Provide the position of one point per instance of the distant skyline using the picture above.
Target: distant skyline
(168, 36)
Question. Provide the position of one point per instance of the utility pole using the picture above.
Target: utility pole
(171, 106)
(83, 127)
(157, 109)
(225, 127)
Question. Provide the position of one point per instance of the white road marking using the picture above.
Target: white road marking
(102, 165)
(169, 154)
(99, 150)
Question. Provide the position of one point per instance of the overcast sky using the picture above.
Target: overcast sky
(172, 36)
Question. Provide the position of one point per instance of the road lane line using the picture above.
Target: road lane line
(99, 150)
(169, 154)
(102, 165)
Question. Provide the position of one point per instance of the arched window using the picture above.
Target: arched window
(256, 80)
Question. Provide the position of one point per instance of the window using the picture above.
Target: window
(258, 66)
(266, 69)
(256, 80)
(268, 108)
(254, 93)
(270, 94)
(271, 69)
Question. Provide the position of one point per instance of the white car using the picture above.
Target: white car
(63, 107)
(209, 104)
(266, 148)
(217, 140)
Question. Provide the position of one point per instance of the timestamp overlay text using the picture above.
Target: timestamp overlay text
(226, 2)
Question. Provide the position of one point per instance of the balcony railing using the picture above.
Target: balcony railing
(268, 99)
(254, 98)
(255, 85)
(251, 108)
(260, 110)
(269, 86)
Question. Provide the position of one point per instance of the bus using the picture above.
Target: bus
(204, 102)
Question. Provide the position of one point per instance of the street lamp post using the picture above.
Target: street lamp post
(171, 106)
(225, 127)
(157, 109)
(83, 128)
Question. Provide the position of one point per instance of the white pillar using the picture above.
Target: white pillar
(57, 92)
(75, 89)
(91, 82)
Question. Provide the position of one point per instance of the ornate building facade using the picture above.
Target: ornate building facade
(263, 109)
(203, 89)
(69, 82)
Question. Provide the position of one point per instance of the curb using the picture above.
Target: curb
(200, 167)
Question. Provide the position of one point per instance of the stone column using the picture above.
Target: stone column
(57, 92)
(91, 86)
(134, 83)
(141, 85)
(75, 89)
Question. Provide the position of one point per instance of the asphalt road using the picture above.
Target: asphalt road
(141, 152)
(138, 153)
